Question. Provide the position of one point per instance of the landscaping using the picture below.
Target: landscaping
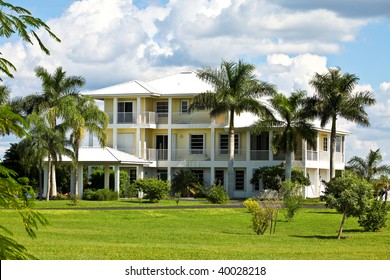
(193, 234)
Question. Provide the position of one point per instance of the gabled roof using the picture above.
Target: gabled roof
(183, 83)
(97, 155)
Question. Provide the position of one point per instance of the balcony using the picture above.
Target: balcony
(193, 118)
(133, 118)
(324, 156)
(259, 154)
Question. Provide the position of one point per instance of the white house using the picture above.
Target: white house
(149, 120)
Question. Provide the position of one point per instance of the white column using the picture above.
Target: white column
(117, 178)
(270, 154)
(80, 179)
(140, 172)
(45, 180)
(106, 177)
(72, 181)
(212, 146)
(248, 145)
(115, 123)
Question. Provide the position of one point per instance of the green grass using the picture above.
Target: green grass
(188, 234)
(122, 203)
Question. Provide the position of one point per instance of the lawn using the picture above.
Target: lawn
(191, 234)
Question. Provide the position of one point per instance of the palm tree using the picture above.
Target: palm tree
(84, 115)
(235, 90)
(46, 142)
(293, 120)
(53, 102)
(370, 166)
(335, 98)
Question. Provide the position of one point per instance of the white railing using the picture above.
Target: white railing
(192, 118)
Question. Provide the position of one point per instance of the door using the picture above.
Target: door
(162, 147)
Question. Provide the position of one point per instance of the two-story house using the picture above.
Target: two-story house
(150, 122)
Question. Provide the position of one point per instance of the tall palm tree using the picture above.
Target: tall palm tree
(335, 98)
(291, 121)
(370, 166)
(235, 90)
(84, 115)
(52, 103)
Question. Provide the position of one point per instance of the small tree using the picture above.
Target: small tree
(186, 183)
(349, 195)
(292, 198)
(374, 218)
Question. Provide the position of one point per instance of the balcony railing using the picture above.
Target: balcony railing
(324, 156)
(193, 118)
(259, 154)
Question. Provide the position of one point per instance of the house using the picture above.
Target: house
(150, 121)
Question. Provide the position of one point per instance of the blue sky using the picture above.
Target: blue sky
(112, 41)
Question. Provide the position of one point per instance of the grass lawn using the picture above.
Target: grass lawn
(190, 234)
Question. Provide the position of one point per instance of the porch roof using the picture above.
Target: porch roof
(107, 155)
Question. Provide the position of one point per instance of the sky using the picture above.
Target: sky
(114, 41)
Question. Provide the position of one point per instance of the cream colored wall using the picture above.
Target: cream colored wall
(183, 137)
(110, 138)
(108, 105)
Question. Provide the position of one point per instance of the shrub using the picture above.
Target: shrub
(153, 188)
(292, 198)
(217, 195)
(375, 216)
(251, 204)
(100, 195)
(187, 183)
(97, 179)
(263, 216)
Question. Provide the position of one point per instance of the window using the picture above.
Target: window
(224, 144)
(338, 144)
(196, 143)
(132, 175)
(325, 144)
(240, 180)
(184, 106)
(199, 174)
(219, 177)
(162, 109)
(256, 185)
(125, 112)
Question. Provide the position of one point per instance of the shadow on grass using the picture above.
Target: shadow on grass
(321, 237)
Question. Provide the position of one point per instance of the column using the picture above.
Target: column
(117, 178)
(115, 122)
(270, 154)
(106, 177)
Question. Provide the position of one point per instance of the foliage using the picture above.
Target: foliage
(187, 183)
(349, 195)
(272, 177)
(16, 194)
(153, 188)
(235, 90)
(291, 193)
(294, 120)
(100, 195)
(368, 167)
(375, 216)
(217, 195)
(75, 200)
(17, 20)
(336, 97)
(264, 216)
(251, 204)
(97, 180)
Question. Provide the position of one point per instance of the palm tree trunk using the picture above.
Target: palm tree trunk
(332, 148)
(231, 175)
(287, 168)
(54, 180)
(342, 225)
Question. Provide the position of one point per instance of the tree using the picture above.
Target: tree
(350, 195)
(84, 115)
(186, 182)
(235, 90)
(292, 121)
(370, 166)
(17, 20)
(335, 98)
(58, 89)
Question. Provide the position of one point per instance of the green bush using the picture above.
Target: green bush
(264, 216)
(292, 198)
(97, 179)
(100, 195)
(217, 195)
(153, 188)
(375, 216)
